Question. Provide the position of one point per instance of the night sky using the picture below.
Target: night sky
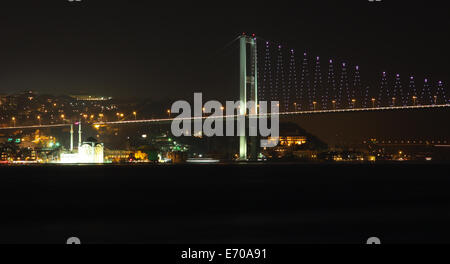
(125, 48)
(166, 52)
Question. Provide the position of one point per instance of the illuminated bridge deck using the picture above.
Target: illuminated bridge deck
(312, 112)
(392, 108)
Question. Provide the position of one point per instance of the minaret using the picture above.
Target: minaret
(79, 134)
(71, 137)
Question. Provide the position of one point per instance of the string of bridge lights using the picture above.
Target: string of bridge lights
(441, 91)
(331, 87)
(305, 84)
(279, 78)
(384, 90)
(310, 93)
(292, 83)
(268, 93)
(317, 83)
(357, 91)
(398, 91)
(344, 88)
(412, 91)
(366, 97)
(426, 93)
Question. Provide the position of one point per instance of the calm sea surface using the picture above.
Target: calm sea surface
(240, 203)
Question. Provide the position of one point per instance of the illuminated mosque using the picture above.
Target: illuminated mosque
(89, 151)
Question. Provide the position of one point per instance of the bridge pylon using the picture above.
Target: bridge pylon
(248, 148)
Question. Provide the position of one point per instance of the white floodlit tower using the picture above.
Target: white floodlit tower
(248, 90)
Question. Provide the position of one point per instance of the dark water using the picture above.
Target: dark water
(278, 203)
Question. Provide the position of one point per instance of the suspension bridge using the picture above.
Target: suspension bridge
(278, 77)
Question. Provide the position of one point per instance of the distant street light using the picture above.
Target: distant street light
(39, 119)
(135, 115)
(14, 121)
(169, 112)
(373, 102)
(314, 104)
(354, 103)
(334, 104)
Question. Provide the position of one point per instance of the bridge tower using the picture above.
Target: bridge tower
(248, 83)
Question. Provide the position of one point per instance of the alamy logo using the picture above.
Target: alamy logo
(209, 119)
